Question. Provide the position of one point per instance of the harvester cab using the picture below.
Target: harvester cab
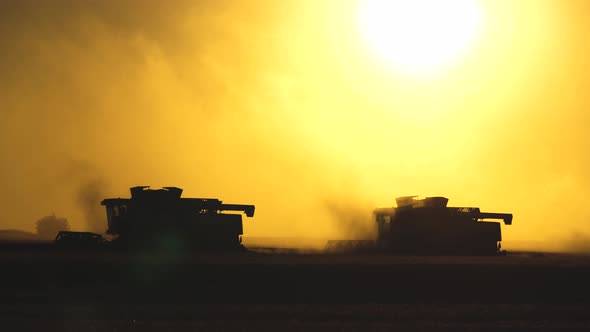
(153, 218)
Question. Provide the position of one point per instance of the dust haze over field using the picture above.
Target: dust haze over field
(279, 104)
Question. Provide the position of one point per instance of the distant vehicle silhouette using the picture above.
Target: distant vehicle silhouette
(79, 240)
(428, 227)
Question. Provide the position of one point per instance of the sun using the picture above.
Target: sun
(420, 35)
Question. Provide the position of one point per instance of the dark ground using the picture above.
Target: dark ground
(42, 288)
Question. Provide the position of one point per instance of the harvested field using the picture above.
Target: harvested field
(44, 288)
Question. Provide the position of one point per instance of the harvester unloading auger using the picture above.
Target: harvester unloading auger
(428, 227)
(159, 219)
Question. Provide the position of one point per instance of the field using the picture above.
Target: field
(43, 288)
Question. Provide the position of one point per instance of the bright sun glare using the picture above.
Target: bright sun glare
(420, 35)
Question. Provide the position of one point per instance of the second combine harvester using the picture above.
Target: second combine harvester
(429, 227)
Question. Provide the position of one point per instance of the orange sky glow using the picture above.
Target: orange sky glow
(293, 106)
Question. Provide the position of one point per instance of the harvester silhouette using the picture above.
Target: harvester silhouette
(157, 219)
(160, 220)
(428, 227)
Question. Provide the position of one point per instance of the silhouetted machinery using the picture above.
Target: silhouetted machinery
(428, 226)
(79, 240)
(162, 220)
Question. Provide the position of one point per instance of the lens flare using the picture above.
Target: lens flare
(419, 35)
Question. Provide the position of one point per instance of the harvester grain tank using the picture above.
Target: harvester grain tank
(428, 226)
(160, 218)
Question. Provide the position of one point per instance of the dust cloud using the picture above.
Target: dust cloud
(352, 220)
(578, 243)
(279, 104)
(90, 193)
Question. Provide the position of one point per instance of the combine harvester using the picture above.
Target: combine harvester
(428, 227)
(160, 220)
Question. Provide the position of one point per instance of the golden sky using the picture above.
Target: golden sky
(286, 105)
